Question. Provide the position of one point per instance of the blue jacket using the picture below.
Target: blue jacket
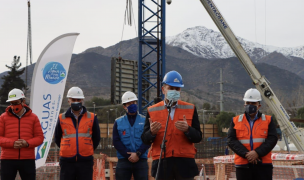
(95, 135)
(128, 136)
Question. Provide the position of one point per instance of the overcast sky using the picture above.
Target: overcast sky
(99, 22)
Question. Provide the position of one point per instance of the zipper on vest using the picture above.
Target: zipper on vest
(77, 138)
(251, 140)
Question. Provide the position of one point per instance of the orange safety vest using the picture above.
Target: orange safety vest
(177, 144)
(76, 140)
(259, 134)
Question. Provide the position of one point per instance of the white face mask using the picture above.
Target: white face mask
(173, 95)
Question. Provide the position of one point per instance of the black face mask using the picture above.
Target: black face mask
(76, 106)
(250, 109)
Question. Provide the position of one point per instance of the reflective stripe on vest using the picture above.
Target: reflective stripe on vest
(159, 108)
(185, 107)
(255, 140)
(79, 134)
(242, 115)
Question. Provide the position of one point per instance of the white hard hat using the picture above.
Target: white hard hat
(128, 97)
(15, 94)
(252, 95)
(75, 92)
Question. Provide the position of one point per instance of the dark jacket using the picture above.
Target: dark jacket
(262, 150)
(95, 135)
(186, 166)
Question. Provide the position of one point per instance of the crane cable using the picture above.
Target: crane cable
(127, 19)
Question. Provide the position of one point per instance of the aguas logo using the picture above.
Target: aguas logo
(54, 72)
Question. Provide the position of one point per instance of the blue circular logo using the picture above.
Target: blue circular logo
(53, 72)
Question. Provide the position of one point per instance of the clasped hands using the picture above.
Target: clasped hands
(133, 157)
(252, 157)
(20, 143)
(181, 125)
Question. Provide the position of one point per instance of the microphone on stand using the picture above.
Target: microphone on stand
(169, 105)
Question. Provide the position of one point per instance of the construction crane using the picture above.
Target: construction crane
(29, 45)
(152, 45)
(260, 82)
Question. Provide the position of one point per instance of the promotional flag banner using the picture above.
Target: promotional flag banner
(48, 83)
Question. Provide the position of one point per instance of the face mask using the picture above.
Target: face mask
(132, 108)
(16, 108)
(76, 106)
(173, 95)
(250, 109)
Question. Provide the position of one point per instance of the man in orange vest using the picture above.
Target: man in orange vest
(182, 132)
(77, 134)
(252, 136)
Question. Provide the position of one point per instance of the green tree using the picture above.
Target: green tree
(12, 80)
(222, 120)
(104, 110)
(300, 113)
(206, 106)
(99, 101)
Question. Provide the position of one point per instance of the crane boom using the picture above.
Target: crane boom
(259, 81)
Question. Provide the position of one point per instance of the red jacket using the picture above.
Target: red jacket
(12, 128)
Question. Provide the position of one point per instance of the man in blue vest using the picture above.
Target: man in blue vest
(131, 152)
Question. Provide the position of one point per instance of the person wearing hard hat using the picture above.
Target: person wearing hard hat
(182, 132)
(77, 134)
(252, 136)
(20, 133)
(131, 152)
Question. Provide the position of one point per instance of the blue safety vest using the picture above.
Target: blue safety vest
(129, 135)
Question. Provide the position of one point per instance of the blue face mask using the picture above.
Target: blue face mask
(173, 95)
(132, 108)
(250, 109)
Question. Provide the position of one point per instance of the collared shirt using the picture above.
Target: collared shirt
(76, 117)
(172, 110)
(251, 121)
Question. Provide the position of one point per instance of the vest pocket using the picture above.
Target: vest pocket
(138, 132)
(263, 132)
(240, 130)
(85, 147)
(124, 136)
(67, 149)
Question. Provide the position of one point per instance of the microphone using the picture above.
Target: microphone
(169, 105)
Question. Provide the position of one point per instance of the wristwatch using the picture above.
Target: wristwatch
(138, 153)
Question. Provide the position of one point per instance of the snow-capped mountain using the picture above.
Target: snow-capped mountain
(210, 44)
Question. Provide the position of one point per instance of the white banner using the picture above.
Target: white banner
(48, 83)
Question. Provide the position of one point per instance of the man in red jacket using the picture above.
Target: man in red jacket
(20, 133)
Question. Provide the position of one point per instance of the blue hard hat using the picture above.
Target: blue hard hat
(173, 78)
